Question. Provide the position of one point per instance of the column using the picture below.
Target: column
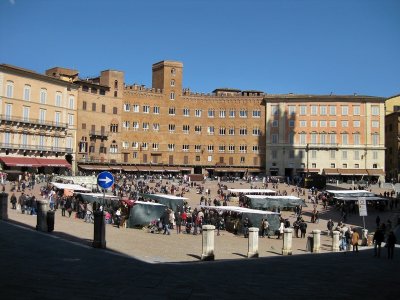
(3, 206)
(99, 239)
(41, 217)
(364, 238)
(335, 241)
(208, 242)
(287, 241)
(253, 242)
(316, 240)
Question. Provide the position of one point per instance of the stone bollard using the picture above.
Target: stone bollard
(208, 242)
(41, 217)
(364, 238)
(3, 206)
(99, 239)
(316, 241)
(335, 241)
(253, 242)
(287, 241)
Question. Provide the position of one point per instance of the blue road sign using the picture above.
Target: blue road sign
(105, 180)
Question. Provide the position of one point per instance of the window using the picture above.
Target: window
(102, 92)
(332, 154)
(114, 127)
(27, 93)
(274, 110)
(356, 138)
(332, 138)
(135, 126)
(256, 113)
(58, 100)
(25, 113)
(232, 113)
(42, 116)
(274, 138)
(375, 124)
(197, 113)
(302, 138)
(322, 110)
(291, 123)
(243, 131)
(155, 146)
(125, 145)
(222, 113)
(314, 138)
(275, 123)
(314, 154)
(172, 96)
(345, 138)
(173, 71)
(171, 111)
(211, 113)
(323, 123)
(303, 123)
(136, 108)
(172, 83)
(84, 126)
(303, 110)
(356, 155)
(156, 126)
(127, 107)
(103, 108)
(256, 131)
(145, 146)
(197, 129)
(222, 131)
(256, 149)
(10, 89)
(84, 105)
(135, 145)
(156, 110)
(332, 123)
(85, 88)
(93, 106)
(171, 128)
(375, 155)
(210, 130)
(333, 165)
(314, 110)
(356, 123)
(146, 109)
(375, 110)
(356, 110)
(197, 148)
(171, 147)
(344, 154)
(345, 123)
(115, 110)
(186, 129)
(322, 138)
(71, 102)
(231, 131)
(292, 110)
(242, 148)
(231, 148)
(332, 110)
(43, 96)
(57, 117)
(345, 110)
(243, 113)
(221, 148)
(274, 154)
(70, 120)
(210, 148)
(375, 139)
(314, 124)
(186, 112)
(145, 126)
(126, 124)
(114, 148)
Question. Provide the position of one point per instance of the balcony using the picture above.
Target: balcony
(8, 146)
(6, 119)
(99, 134)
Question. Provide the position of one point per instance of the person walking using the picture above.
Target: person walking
(13, 201)
(378, 239)
(355, 237)
(391, 241)
(303, 229)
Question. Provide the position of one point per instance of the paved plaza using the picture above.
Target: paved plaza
(138, 264)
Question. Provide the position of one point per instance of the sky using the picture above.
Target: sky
(275, 46)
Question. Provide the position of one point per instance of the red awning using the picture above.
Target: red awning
(13, 161)
(53, 162)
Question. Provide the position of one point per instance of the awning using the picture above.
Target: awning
(185, 169)
(157, 169)
(171, 169)
(115, 168)
(375, 172)
(331, 171)
(254, 170)
(129, 168)
(144, 168)
(221, 170)
(357, 172)
(308, 170)
(53, 162)
(13, 161)
(94, 167)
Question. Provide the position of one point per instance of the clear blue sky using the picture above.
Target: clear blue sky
(277, 46)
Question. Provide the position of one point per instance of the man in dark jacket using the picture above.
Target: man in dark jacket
(378, 239)
(303, 228)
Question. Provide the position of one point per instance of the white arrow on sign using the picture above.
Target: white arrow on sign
(107, 180)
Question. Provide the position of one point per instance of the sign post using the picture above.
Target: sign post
(362, 208)
(105, 180)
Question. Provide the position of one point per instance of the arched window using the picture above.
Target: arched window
(10, 89)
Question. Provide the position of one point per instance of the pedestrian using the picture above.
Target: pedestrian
(13, 201)
(330, 226)
(303, 229)
(280, 230)
(355, 237)
(378, 239)
(391, 241)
